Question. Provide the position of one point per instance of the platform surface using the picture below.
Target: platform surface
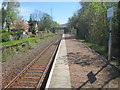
(59, 76)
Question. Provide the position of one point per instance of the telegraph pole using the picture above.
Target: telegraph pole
(51, 13)
(52, 29)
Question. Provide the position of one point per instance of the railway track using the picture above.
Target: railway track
(36, 73)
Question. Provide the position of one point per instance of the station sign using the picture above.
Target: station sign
(110, 13)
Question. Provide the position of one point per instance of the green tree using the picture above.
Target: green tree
(9, 13)
(92, 24)
(45, 22)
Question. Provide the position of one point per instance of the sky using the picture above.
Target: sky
(61, 11)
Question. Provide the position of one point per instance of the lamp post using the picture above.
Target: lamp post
(110, 14)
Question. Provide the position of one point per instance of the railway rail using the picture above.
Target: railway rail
(36, 73)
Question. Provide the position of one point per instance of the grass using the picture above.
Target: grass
(19, 48)
(8, 52)
(102, 50)
(23, 40)
(15, 41)
(116, 63)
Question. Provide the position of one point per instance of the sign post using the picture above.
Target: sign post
(110, 15)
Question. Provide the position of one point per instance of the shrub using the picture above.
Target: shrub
(5, 37)
(19, 48)
(13, 50)
(6, 54)
(3, 30)
(26, 47)
(1, 38)
(32, 35)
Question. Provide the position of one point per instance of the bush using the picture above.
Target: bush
(3, 30)
(1, 38)
(32, 35)
(5, 37)
(19, 48)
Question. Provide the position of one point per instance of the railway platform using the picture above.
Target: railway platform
(59, 76)
(74, 61)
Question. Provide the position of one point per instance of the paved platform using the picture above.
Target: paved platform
(59, 76)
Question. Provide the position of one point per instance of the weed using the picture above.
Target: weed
(19, 48)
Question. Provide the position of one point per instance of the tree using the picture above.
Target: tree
(93, 26)
(36, 15)
(9, 13)
(45, 22)
(54, 24)
(32, 24)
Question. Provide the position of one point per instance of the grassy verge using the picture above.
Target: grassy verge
(102, 50)
(23, 40)
(9, 52)
(116, 63)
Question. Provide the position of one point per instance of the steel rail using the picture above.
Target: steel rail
(46, 69)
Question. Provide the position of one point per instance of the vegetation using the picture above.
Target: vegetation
(23, 40)
(98, 48)
(23, 45)
(17, 28)
(14, 27)
(10, 12)
(92, 25)
(44, 22)
(5, 37)
(10, 19)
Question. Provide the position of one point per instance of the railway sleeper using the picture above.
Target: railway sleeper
(40, 66)
(33, 73)
(37, 68)
(21, 87)
(30, 77)
(32, 82)
(25, 84)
